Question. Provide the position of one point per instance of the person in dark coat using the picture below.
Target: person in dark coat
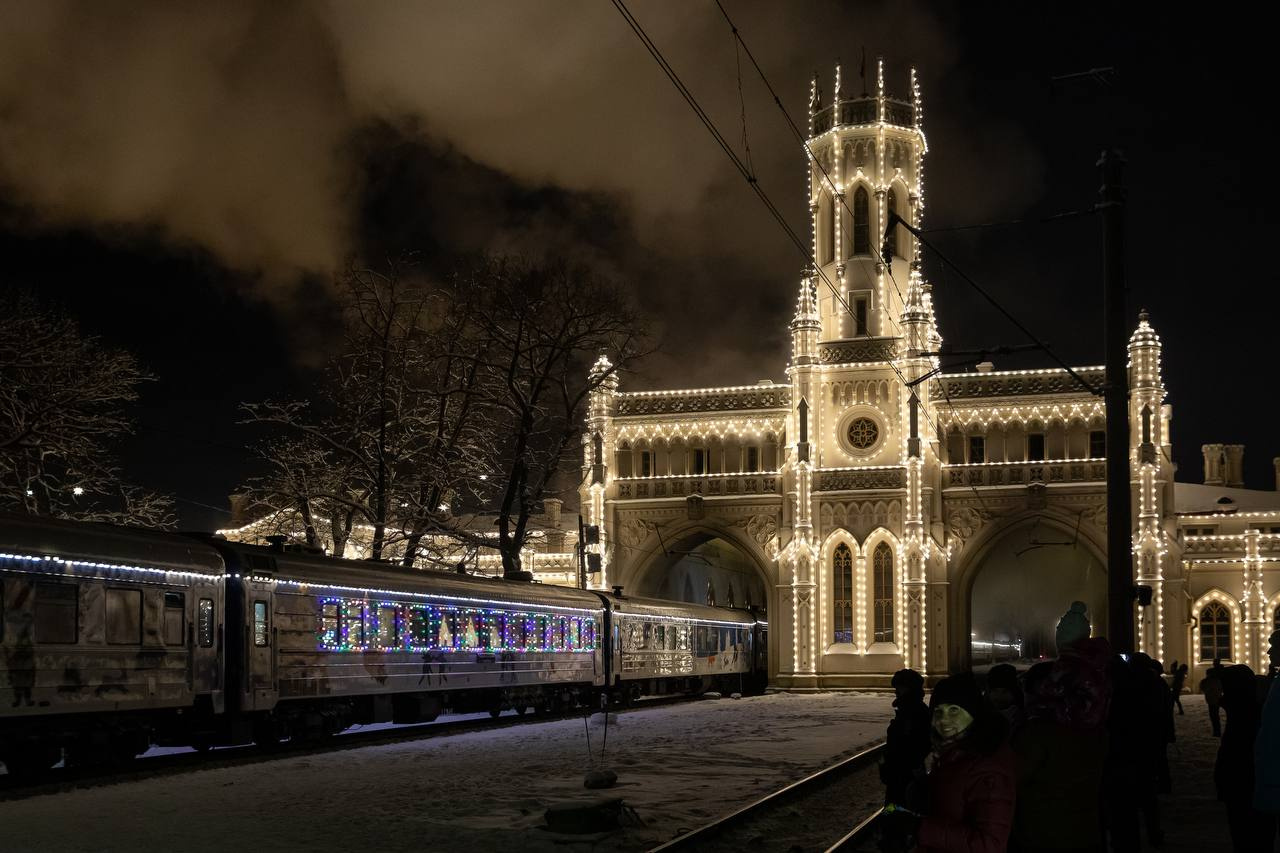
(907, 742)
(1005, 694)
(1179, 672)
(1266, 747)
(972, 785)
(1062, 751)
(1211, 687)
(1252, 831)
(1157, 732)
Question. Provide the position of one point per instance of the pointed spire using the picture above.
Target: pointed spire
(916, 102)
(880, 87)
(835, 99)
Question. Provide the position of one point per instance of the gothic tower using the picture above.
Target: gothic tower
(852, 590)
(865, 159)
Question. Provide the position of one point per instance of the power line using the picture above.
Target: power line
(748, 176)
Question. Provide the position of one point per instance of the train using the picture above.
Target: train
(114, 640)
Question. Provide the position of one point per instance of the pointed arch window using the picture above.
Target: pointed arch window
(1215, 632)
(861, 222)
(882, 588)
(842, 595)
(891, 249)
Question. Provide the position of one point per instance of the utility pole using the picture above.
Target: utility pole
(1120, 588)
(582, 555)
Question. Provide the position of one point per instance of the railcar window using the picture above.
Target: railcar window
(419, 626)
(353, 624)
(57, 612)
(388, 630)
(260, 623)
(175, 618)
(329, 624)
(124, 616)
(204, 622)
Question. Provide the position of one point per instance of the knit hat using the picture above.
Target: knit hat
(961, 690)
(908, 678)
(1073, 626)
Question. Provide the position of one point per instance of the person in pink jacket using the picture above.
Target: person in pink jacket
(973, 782)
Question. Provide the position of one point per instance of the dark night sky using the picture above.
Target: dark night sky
(185, 178)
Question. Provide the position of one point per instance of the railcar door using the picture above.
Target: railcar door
(204, 640)
(260, 644)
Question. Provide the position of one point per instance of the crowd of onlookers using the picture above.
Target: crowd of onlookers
(1072, 754)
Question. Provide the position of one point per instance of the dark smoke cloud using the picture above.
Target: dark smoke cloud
(285, 137)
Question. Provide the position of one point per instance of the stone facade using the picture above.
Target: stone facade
(870, 538)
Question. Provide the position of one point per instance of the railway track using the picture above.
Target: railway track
(169, 764)
(813, 813)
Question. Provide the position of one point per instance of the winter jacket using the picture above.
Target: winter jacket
(1059, 775)
(971, 801)
(1266, 754)
(907, 745)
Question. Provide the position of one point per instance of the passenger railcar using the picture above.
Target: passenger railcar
(316, 644)
(107, 636)
(663, 646)
(112, 639)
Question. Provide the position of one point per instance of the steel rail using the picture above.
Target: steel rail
(855, 835)
(814, 780)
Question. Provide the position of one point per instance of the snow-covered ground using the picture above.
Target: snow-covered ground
(1194, 821)
(678, 766)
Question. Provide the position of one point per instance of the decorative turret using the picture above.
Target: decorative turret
(866, 158)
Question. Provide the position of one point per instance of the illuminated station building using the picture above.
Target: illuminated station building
(871, 548)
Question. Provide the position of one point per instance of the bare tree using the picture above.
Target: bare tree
(63, 406)
(543, 325)
(448, 404)
(398, 433)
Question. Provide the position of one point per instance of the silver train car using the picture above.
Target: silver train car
(112, 640)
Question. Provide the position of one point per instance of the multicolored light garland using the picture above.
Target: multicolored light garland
(364, 625)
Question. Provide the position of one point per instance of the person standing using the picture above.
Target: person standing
(1179, 672)
(972, 786)
(1252, 831)
(907, 743)
(1211, 687)
(1061, 759)
(1266, 747)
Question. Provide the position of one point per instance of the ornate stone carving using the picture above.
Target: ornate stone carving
(727, 400)
(869, 349)
(964, 522)
(633, 531)
(962, 386)
(842, 481)
(759, 527)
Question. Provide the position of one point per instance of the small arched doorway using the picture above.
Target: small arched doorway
(1020, 583)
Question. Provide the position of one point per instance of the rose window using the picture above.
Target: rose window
(863, 433)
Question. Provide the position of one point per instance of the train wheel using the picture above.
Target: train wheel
(521, 710)
(30, 760)
(266, 733)
(495, 712)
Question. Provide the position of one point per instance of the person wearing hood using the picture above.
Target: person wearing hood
(907, 742)
(971, 787)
